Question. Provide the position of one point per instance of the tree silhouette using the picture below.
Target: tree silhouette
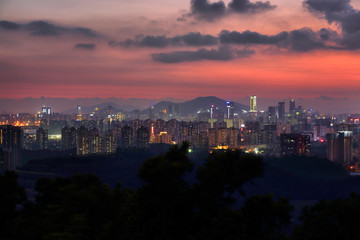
(167, 206)
(335, 219)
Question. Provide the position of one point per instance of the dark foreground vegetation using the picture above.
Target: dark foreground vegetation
(169, 206)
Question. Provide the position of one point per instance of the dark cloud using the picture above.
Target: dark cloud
(245, 6)
(43, 28)
(327, 98)
(197, 39)
(190, 39)
(208, 11)
(223, 53)
(351, 41)
(300, 40)
(9, 25)
(339, 11)
(84, 31)
(304, 40)
(87, 46)
(203, 9)
(249, 37)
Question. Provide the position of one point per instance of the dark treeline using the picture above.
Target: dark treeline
(167, 206)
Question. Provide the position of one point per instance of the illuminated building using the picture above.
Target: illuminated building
(127, 137)
(82, 145)
(212, 112)
(109, 143)
(42, 138)
(68, 138)
(222, 137)
(79, 114)
(43, 110)
(253, 107)
(10, 142)
(212, 121)
(233, 137)
(251, 132)
(230, 110)
(201, 140)
(320, 132)
(270, 134)
(294, 144)
(159, 126)
(94, 141)
(142, 137)
(340, 146)
(271, 115)
(229, 123)
(120, 116)
(292, 105)
(212, 137)
(163, 137)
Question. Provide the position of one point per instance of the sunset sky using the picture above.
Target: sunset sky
(181, 49)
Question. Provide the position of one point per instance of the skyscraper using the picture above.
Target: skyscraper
(340, 146)
(230, 110)
(281, 111)
(152, 113)
(10, 142)
(42, 138)
(79, 114)
(292, 105)
(142, 137)
(253, 107)
(68, 137)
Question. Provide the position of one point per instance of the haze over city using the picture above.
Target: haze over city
(182, 49)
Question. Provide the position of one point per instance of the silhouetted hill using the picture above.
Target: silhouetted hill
(103, 107)
(60, 105)
(198, 104)
(296, 178)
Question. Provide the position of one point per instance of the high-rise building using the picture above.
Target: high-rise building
(79, 114)
(253, 106)
(222, 137)
(82, 145)
(270, 134)
(42, 138)
(295, 144)
(152, 113)
(95, 142)
(281, 111)
(68, 137)
(230, 110)
(163, 137)
(212, 137)
(212, 111)
(126, 137)
(292, 105)
(233, 137)
(340, 146)
(109, 142)
(142, 137)
(10, 142)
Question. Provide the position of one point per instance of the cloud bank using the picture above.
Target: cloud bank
(43, 28)
(223, 53)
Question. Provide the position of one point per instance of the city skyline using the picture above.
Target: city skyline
(160, 49)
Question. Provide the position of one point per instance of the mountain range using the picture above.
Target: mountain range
(63, 105)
